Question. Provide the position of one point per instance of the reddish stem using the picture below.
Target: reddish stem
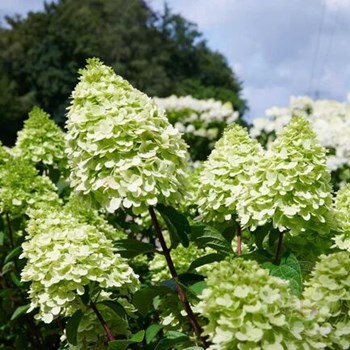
(104, 325)
(239, 240)
(279, 247)
(181, 294)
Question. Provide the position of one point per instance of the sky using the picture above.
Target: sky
(277, 48)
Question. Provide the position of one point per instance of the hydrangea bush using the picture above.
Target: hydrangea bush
(66, 248)
(201, 122)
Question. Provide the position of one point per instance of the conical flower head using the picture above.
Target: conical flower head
(342, 217)
(291, 184)
(122, 150)
(41, 141)
(225, 173)
(249, 309)
(21, 188)
(64, 254)
(328, 297)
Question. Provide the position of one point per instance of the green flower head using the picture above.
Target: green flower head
(342, 217)
(328, 297)
(290, 185)
(225, 173)
(41, 141)
(248, 309)
(122, 150)
(64, 254)
(22, 188)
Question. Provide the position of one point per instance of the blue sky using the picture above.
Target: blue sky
(278, 48)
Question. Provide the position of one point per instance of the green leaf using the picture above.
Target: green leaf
(72, 327)
(260, 235)
(288, 269)
(15, 279)
(177, 224)
(188, 278)
(13, 254)
(152, 331)
(206, 259)
(207, 236)
(194, 348)
(116, 307)
(129, 248)
(172, 338)
(8, 267)
(198, 287)
(19, 311)
(2, 235)
(123, 343)
(143, 298)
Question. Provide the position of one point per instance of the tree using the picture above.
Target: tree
(160, 54)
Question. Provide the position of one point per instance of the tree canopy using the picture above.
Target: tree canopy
(159, 53)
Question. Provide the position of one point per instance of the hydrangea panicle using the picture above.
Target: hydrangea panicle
(122, 150)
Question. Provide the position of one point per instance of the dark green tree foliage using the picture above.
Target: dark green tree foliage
(159, 54)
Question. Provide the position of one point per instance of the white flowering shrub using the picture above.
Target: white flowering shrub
(142, 254)
(329, 119)
(122, 150)
(201, 122)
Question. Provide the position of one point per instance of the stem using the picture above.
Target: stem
(279, 247)
(239, 240)
(104, 325)
(180, 292)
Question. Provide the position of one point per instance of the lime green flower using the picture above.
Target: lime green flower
(328, 297)
(342, 217)
(63, 256)
(225, 173)
(122, 150)
(22, 188)
(290, 185)
(41, 141)
(247, 308)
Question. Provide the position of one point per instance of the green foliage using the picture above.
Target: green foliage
(161, 54)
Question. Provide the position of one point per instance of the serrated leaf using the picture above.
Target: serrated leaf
(152, 331)
(207, 236)
(116, 307)
(177, 224)
(123, 343)
(72, 327)
(13, 254)
(206, 259)
(129, 248)
(142, 299)
(20, 311)
(288, 269)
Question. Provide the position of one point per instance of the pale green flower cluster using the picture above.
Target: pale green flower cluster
(92, 217)
(41, 141)
(65, 254)
(248, 309)
(225, 173)
(290, 185)
(4, 154)
(328, 297)
(342, 217)
(122, 150)
(21, 188)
